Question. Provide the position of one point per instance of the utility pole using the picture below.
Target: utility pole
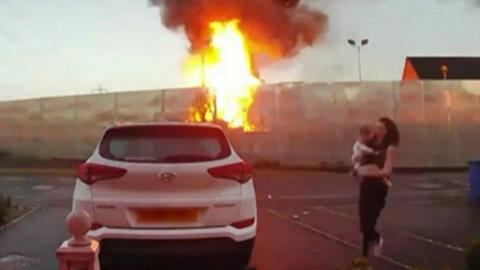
(444, 71)
(204, 86)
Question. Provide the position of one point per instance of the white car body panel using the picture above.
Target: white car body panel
(220, 202)
(237, 235)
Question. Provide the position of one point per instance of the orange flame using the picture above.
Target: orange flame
(225, 69)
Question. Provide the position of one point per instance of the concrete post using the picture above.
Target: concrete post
(78, 252)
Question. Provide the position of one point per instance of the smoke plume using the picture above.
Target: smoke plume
(278, 28)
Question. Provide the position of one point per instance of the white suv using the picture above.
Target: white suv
(175, 189)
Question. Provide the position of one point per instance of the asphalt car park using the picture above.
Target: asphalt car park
(306, 220)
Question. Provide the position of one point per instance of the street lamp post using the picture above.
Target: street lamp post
(354, 44)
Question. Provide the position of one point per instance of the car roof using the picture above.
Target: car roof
(162, 124)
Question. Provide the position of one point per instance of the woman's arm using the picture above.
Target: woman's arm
(374, 171)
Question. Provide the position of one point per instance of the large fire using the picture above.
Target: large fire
(224, 68)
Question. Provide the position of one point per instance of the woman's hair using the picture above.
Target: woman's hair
(392, 137)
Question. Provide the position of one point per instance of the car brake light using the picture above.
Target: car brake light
(240, 172)
(95, 226)
(243, 223)
(90, 173)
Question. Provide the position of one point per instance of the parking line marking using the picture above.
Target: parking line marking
(462, 183)
(431, 201)
(447, 192)
(18, 219)
(315, 197)
(335, 238)
(401, 232)
(43, 187)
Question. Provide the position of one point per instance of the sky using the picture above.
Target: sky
(64, 47)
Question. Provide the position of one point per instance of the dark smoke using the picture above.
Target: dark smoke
(279, 28)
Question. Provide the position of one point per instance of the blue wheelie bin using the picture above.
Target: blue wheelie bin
(474, 180)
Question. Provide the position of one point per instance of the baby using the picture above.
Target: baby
(362, 151)
(361, 148)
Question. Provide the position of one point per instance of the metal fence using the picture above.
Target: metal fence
(300, 124)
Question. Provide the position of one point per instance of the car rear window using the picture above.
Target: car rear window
(164, 144)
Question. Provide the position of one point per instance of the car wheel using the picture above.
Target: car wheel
(107, 263)
(242, 259)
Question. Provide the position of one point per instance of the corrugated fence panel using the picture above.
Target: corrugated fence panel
(297, 124)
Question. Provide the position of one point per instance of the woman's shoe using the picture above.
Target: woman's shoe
(378, 248)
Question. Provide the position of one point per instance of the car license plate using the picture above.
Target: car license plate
(166, 215)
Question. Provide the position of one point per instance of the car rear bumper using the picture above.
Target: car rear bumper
(176, 248)
(179, 254)
(228, 232)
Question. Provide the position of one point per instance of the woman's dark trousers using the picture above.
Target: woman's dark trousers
(373, 192)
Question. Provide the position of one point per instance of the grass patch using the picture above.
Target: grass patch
(13, 213)
(472, 256)
(363, 264)
(9, 211)
(358, 264)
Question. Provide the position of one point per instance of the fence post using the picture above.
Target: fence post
(115, 108)
(394, 90)
(78, 252)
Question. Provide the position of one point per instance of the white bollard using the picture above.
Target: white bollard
(79, 252)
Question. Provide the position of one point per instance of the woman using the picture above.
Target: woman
(374, 188)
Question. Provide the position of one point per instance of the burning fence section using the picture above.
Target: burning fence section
(225, 36)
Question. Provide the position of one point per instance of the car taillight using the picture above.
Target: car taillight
(90, 173)
(243, 223)
(240, 172)
(96, 226)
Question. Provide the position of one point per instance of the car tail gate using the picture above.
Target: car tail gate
(165, 177)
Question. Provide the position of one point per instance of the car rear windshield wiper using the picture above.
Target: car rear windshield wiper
(144, 159)
(187, 158)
